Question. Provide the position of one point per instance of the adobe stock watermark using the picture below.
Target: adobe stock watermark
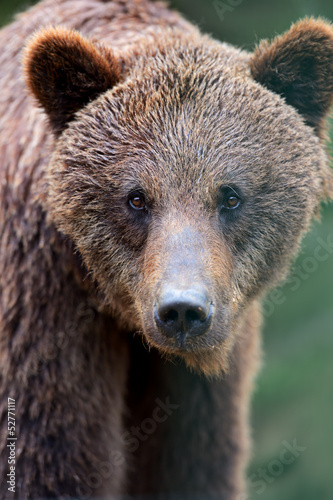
(132, 439)
(264, 476)
(136, 435)
(11, 445)
(222, 8)
(308, 266)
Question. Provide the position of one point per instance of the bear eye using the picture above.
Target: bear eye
(230, 200)
(137, 201)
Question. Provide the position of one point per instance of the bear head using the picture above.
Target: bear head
(185, 172)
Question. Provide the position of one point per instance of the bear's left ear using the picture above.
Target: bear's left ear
(65, 71)
(298, 65)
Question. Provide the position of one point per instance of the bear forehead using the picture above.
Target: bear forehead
(234, 115)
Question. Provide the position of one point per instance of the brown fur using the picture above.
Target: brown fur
(299, 66)
(139, 101)
(63, 85)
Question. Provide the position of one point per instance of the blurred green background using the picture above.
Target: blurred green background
(293, 402)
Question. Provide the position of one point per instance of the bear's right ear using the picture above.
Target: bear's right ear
(65, 71)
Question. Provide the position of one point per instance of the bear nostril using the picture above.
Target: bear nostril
(169, 317)
(186, 316)
(195, 315)
(183, 311)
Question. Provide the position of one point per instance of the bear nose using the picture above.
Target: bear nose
(183, 312)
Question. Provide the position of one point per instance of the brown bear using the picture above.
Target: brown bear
(154, 184)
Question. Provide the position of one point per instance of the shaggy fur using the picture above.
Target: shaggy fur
(139, 103)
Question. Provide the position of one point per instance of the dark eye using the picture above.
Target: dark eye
(137, 201)
(230, 200)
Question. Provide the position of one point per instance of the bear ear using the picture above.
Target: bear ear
(65, 71)
(298, 65)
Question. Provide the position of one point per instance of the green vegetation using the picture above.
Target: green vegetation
(294, 395)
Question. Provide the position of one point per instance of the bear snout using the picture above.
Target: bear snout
(183, 314)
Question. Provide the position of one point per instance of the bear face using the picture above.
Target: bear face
(184, 180)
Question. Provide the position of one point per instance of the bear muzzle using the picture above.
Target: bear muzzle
(186, 305)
